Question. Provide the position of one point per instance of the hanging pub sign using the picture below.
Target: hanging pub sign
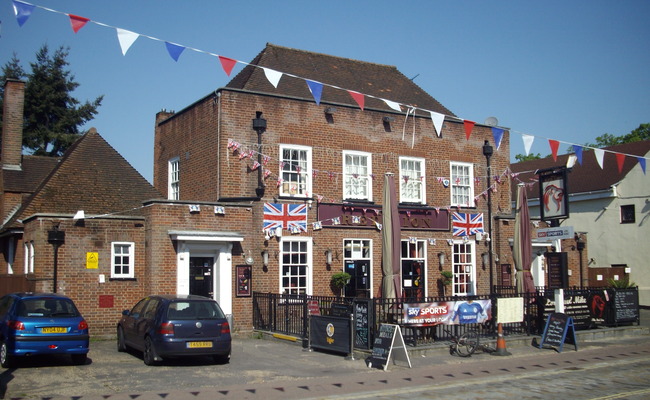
(553, 194)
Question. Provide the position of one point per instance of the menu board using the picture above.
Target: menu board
(557, 270)
(558, 325)
(361, 308)
(626, 305)
(389, 338)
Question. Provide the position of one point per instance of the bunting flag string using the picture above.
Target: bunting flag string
(23, 10)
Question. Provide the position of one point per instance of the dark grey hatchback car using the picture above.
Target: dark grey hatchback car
(169, 326)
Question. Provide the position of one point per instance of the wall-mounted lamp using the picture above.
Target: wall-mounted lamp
(441, 258)
(388, 119)
(330, 110)
(278, 231)
(328, 257)
(249, 258)
(310, 202)
(265, 258)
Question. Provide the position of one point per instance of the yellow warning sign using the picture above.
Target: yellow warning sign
(92, 260)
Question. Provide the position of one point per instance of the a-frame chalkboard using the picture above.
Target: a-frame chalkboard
(389, 338)
(559, 329)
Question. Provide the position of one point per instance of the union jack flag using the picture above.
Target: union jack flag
(466, 224)
(286, 216)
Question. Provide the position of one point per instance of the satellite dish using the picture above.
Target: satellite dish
(491, 121)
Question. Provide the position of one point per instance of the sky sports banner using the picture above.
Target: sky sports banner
(447, 312)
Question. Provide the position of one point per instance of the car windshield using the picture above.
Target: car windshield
(47, 307)
(194, 310)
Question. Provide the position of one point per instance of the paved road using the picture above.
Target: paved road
(266, 369)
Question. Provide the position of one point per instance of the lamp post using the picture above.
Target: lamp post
(487, 152)
(259, 126)
(580, 245)
(57, 239)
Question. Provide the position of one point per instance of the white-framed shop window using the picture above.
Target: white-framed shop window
(411, 180)
(414, 270)
(295, 170)
(122, 259)
(464, 269)
(295, 265)
(357, 175)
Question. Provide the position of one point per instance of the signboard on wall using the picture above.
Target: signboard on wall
(553, 194)
(558, 274)
(368, 216)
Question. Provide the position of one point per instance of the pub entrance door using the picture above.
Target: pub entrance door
(202, 276)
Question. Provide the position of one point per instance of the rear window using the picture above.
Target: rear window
(194, 310)
(47, 308)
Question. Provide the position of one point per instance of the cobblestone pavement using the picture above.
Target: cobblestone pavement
(269, 369)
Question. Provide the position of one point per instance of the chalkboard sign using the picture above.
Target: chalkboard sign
(385, 342)
(626, 305)
(341, 310)
(362, 323)
(558, 325)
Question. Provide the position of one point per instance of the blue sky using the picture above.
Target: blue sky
(563, 70)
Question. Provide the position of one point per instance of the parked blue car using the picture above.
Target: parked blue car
(41, 323)
(169, 326)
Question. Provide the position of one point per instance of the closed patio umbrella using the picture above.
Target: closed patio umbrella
(522, 247)
(391, 286)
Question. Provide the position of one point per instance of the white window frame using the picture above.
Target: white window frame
(414, 183)
(294, 183)
(461, 186)
(357, 178)
(307, 264)
(29, 257)
(353, 250)
(131, 263)
(173, 179)
(421, 255)
(464, 270)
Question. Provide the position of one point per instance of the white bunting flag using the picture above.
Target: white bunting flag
(528, 142)
(126, 39)
(600, 154)
(393, 105)
(437, 119)
(273, 76)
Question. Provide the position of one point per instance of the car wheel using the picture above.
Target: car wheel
(121, 343)
(6, 360)
(79, 359)
(149, 354)
(221, 359)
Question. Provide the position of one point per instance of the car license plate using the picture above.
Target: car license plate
(54, 329)
(199, 345)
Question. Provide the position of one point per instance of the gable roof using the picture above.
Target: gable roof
(92, 176)
(29, 177)
(588, 177)
(382, 81)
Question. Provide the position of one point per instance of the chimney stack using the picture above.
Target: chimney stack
(12, 124)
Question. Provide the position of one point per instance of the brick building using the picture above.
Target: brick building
(325, 155)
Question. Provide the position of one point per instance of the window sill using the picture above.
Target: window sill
(122, 279)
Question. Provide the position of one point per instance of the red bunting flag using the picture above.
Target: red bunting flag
(469, 125)
(227, 64)
(620, 159)
(77, 22)
(554, 146)
(358, 97)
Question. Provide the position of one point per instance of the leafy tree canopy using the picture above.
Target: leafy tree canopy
(52, 116)
(531, 156)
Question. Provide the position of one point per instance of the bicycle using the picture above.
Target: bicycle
(464, 345)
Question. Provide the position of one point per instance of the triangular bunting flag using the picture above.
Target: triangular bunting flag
(578, 151)
(437, 119)
(358, 97)
(497, 133)
(600, 155)
(273, 76)
(77, 22)
(316, 89)
(469, 125)
(22, 11)
(227, 64)
(126, 39)
(528, 142)
(174, 50)
(555, 145)
(620, 159)
(642, 163)
(393, 105)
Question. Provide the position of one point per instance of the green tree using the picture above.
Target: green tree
(52, 115)
(636, 135)
(523, 157)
